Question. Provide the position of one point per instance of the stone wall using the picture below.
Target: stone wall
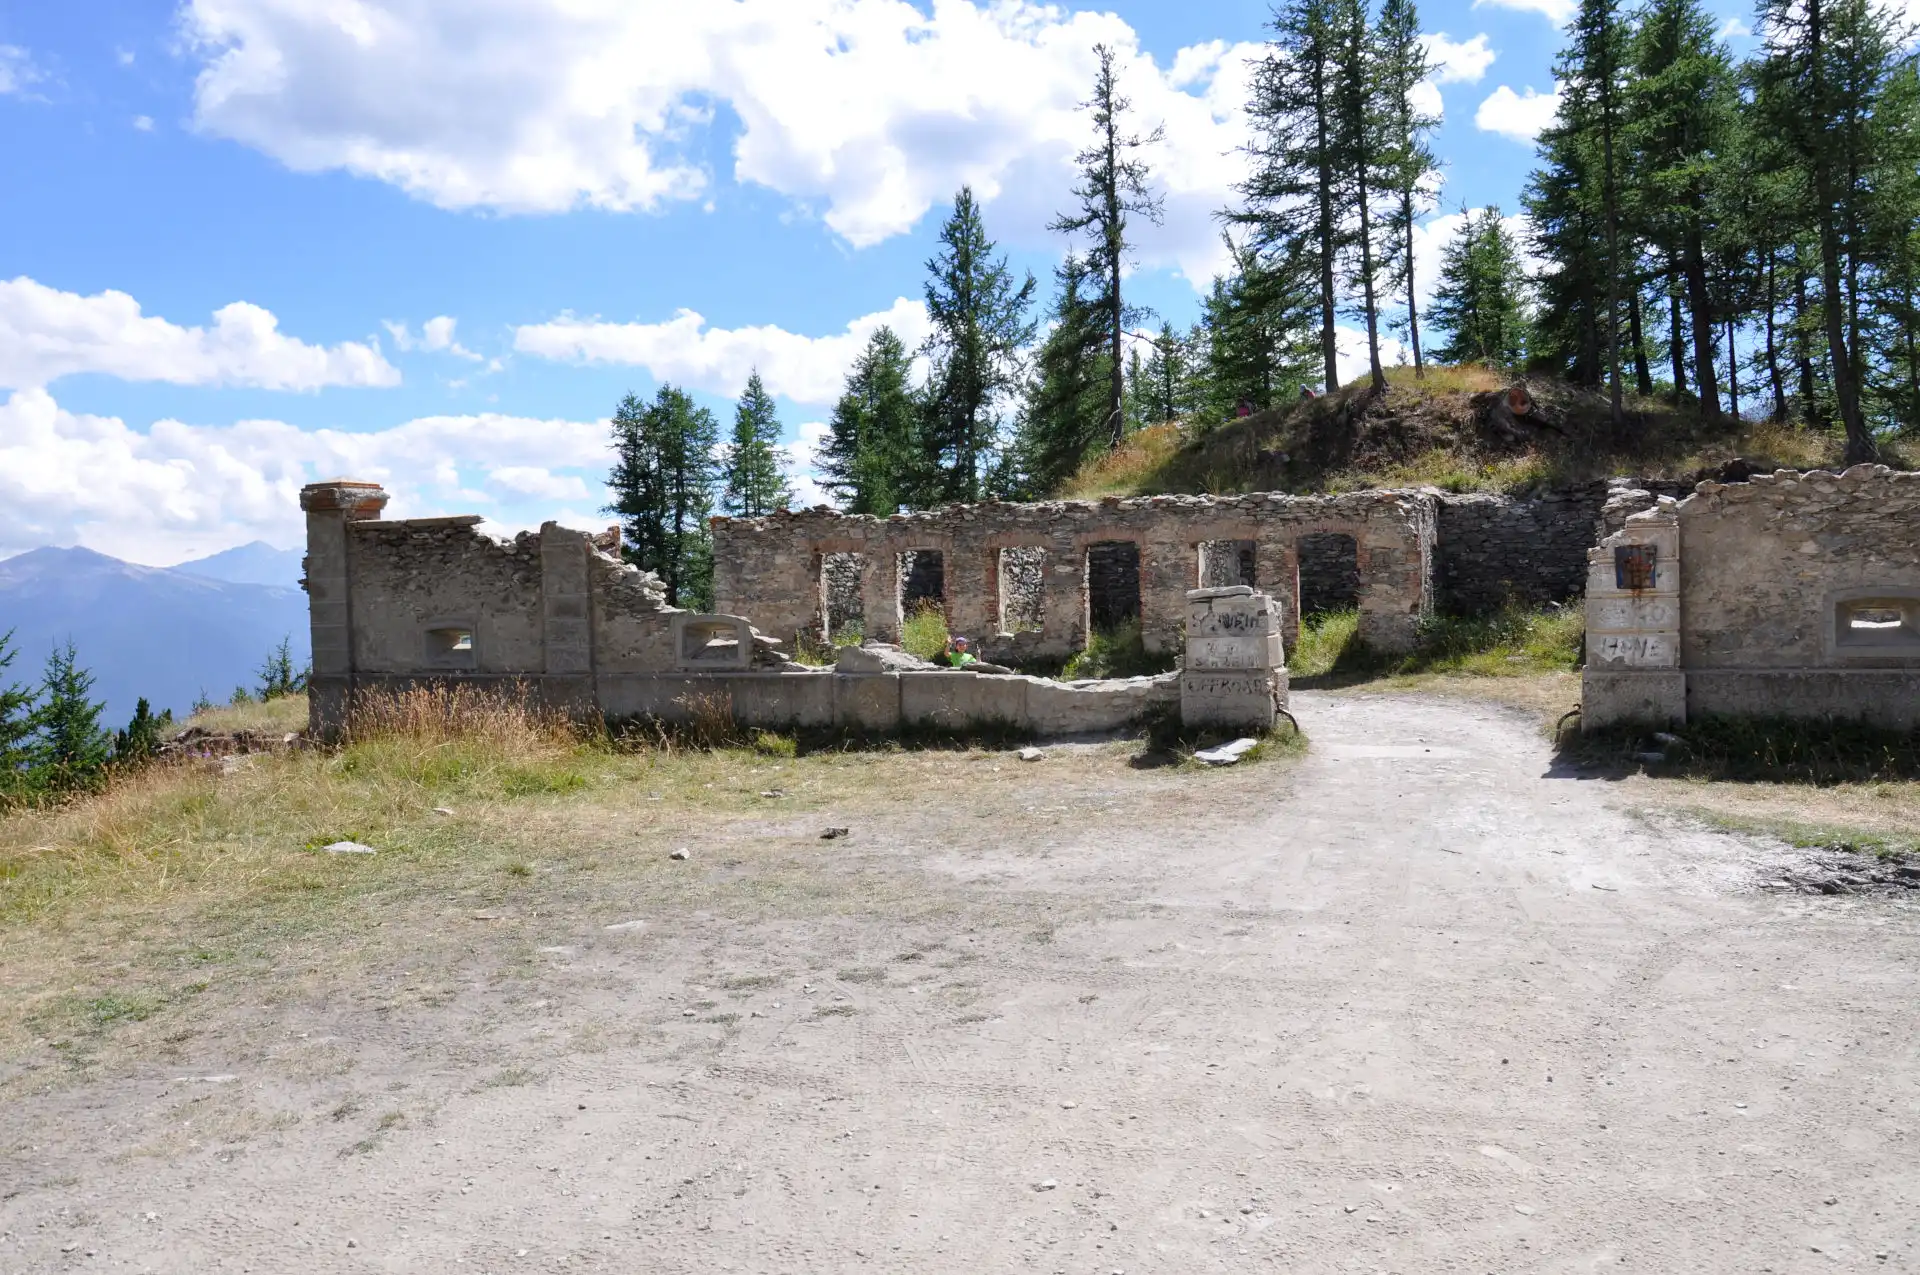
(433, 601)
(772, 568)
(1791, 593)
(1531, 550)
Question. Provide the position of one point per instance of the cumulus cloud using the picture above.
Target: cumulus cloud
(868, 112)
(1457, 61)
(1350, 352)
(1518, 116)
(436, 336)
(1559, 12)
(684, 350)
(46, 334)
(178, 491)
(16, 69)
(1733, 28)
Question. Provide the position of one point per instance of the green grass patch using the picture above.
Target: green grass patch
(1514, 641)
(1778, 749)
(924, 633)
(1117, 652)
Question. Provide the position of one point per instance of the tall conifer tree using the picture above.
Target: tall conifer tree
(663, 480)
(753, 484)
(1407, 161)
(1478, 303)
(1113, 187)
(70, 750)
(871, 460)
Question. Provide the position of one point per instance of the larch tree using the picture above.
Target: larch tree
(872, 452)
(1291, 198)
(753, 482)
(1114, 185)
(980, 330)
(663, 479)
(1065, 417)
(1407, 163)
(1360, 147)
(1479, 301)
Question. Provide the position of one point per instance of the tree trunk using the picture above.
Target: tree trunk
(1366, 281)
(1329, 348)
(1700, 303)
(1642, 374)
(1733, 372)
(1613, 253)
(1773, 353)
(1846, 392)
(1413, 305)
(1676, 353)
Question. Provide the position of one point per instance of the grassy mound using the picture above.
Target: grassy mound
(1435, 431)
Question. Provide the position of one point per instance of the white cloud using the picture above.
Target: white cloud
(46, 334)
(1520, 117)
(177, 491)
(436, 336)
(869, 112)
(800, 458)
(1733, 27)
(686, 351)
(1559, 12)
(143, 123)
(1457, 62)
(1350, 352)
(16, 69)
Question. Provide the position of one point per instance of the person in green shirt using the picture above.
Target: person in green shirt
(960, 655)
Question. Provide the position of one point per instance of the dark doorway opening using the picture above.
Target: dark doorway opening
(1329, 573)
(923, 582)
(1113, 585)
(846, 612)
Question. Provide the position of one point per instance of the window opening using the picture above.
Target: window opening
(1226, 563)
(840, 589)
(1113, 585)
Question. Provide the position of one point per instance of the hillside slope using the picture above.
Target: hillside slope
(255, 563)
(155, 632)
(1452, 430)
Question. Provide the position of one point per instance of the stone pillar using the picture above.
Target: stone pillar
(1063, 621)
(1235, 676)
(1276, 566)
(329, 507)
(968, 576)
(566, 606)
(1168, 569)
(1633, 671)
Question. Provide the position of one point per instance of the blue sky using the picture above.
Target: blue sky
(248, 243)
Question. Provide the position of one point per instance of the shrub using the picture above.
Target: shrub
(1117, 652)
(924, 633)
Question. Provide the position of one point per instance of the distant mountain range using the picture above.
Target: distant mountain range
(256, 563)
(167, 633)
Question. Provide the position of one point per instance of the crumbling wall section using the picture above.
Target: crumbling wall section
(771, 568)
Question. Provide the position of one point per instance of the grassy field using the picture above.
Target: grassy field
(1428, 432)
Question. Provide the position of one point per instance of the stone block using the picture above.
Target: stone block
(1235, 651)
(1236, 700)
(778, 701)
(868, 703)
(954, 700)
(1633, 650)
(1055, 709)
(1645, 697)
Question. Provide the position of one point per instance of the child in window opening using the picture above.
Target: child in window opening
(959, 654)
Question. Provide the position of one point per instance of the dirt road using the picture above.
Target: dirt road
(1415, 1004)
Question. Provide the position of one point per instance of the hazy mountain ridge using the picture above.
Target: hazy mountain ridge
(164, 633)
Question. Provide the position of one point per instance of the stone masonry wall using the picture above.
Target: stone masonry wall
(770, 568)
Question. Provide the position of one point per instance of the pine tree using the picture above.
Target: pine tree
(753, 484)
(1292, 198)
(1165, 376)
(870, 457)
(277, 675)
(69, 751)
(1895, 330)
(1113, 186)
(663, 482)
(1407, 162)
(1679, 117)
(140, 741)
(980, 328)
(1258, 319)
(1478, 302)
(1574, 204)
(1824, 77)
(17, 720)
(1065, 416)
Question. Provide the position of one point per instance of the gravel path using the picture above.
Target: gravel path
(1415, 1004)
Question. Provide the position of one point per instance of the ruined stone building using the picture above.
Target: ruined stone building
(1791, 594)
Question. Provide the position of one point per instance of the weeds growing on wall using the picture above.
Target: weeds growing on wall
(1778, 749)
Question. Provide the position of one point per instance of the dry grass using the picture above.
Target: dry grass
(284, 715)
(1428, 432)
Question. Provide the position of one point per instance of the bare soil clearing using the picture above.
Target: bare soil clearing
(1414, 1003)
